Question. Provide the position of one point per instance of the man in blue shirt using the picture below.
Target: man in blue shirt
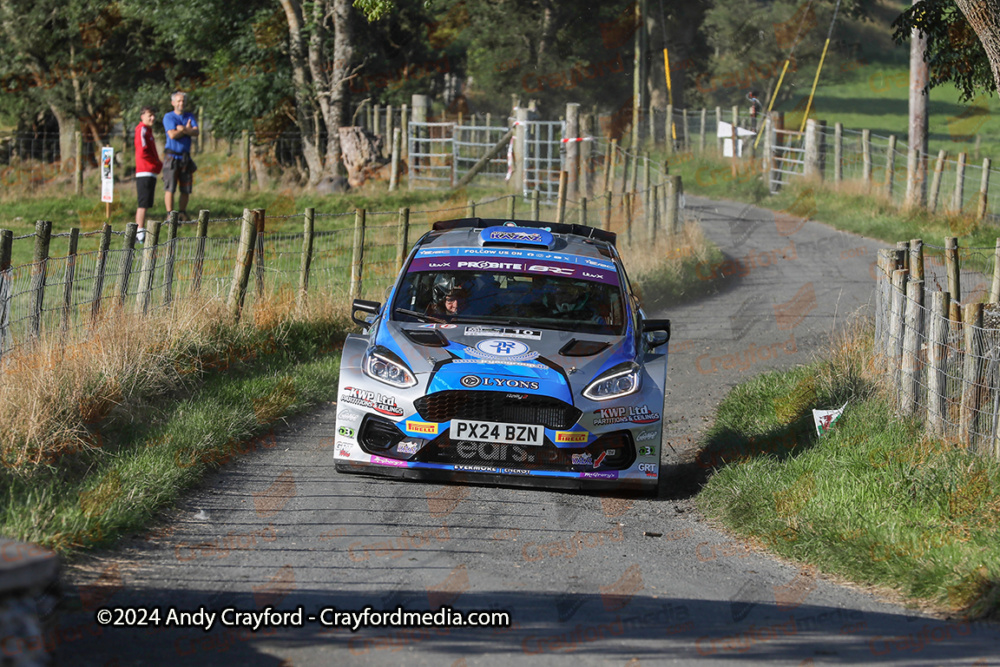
(178, 167)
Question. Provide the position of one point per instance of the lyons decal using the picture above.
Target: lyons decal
(472, 381)
(635, 414)
(372, 400)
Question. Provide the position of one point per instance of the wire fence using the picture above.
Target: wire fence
(940, 349)
(345, 255)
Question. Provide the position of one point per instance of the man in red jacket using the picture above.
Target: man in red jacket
(147, 166)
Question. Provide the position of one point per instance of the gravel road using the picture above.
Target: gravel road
(588, 579)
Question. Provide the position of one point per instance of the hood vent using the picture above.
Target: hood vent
(582, 348)
(427, 337)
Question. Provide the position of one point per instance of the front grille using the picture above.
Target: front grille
(497, 406)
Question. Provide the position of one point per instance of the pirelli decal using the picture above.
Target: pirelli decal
(423, 428)
(571, 436)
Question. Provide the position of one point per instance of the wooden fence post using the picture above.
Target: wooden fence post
(39, 268)
(606, 217)
(260, 220)
(685, 143)
(937, 357)
(244, 261)
(972, 375)
(984, 187)
(734, 167)
(653, 215)
(838, 152)
(626, 162)
(535, 212)
(896, 322)
(672, 211)
(953, 270)
(583, 211)
(890, 165)
(470, 208)
(646, 193)
(609, 160)
(308, 235)
(916, 264)
(904, 248)
(718, 139)
(959, 194)
(199, 251)
(149, 251)
(995, 287)
(936, 181)
(670, 129)
(866, 153)
(357, 253)
(403, 236)
(99, 269)
(245, 162)
(701, 131)
(561, 200)
(511, 201)
(404, 125)
(627, 204)
(661, 205)
(67, 309)
(913, 336)
(394, 168)
(168, 266)
(6, 288)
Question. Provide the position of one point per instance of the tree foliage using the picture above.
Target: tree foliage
(954, 53)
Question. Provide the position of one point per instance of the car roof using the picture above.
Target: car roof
(567, 239)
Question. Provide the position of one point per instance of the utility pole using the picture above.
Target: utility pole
(916, 162)
(638, 70)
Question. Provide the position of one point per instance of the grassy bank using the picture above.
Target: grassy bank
(875, 500)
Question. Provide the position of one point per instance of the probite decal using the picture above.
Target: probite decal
(636, 414)
(504, 332)
(373, 400)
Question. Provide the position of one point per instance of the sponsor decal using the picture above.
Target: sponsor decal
(471, 381)
(583, 459)
(408, 447)
(507, 362)
(572, 436)
(611, 474)
(449, 326)
(382, 461)
(349, 416)
(502, 348)
(558, 270)
(425, 428)
(464, 467)
(646, 451)
(504, 235)
(646, 435)
(490, 265)
(343, 448)
(636, 414)
(504, 332)
(600, 459)
(373, 400)
(488, 451)
(439, 265)
(346, 431)
(649, 468)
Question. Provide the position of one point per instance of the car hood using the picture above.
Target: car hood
(471, 357)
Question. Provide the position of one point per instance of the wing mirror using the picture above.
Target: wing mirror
(371, 307)
(658, 330)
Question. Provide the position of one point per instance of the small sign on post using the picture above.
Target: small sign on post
(107, 180)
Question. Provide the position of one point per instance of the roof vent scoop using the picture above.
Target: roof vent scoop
(516, 236)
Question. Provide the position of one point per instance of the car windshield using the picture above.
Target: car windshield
(574, 303)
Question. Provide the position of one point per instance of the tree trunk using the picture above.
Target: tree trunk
(67, 145)
(916, 167)
(984, 17)
(343, 53)
(304, 108)
(362, 154)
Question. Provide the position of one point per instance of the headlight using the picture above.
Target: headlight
(622, 380)
(384, 366)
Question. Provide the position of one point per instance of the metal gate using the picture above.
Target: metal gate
(788, 155)
(471, 143)
(431, 150)
(543, 157)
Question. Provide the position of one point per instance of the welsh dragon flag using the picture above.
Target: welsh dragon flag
(824, 419)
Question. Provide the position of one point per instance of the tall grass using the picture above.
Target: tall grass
(876, 499)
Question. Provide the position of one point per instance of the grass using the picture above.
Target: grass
(875, 500)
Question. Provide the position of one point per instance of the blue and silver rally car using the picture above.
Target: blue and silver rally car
(508, 352)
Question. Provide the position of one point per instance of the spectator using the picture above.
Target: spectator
(147, 166)
(178, 167)
(756, 106)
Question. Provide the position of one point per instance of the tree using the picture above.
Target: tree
(955, 45)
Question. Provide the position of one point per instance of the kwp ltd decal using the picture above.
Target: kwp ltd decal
(373, 400)
(636, 414)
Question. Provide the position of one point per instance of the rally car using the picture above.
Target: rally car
(508, 352)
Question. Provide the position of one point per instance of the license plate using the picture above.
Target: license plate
(508, 434)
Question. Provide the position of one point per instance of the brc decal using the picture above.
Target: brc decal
(426, 428)
(571, 436)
